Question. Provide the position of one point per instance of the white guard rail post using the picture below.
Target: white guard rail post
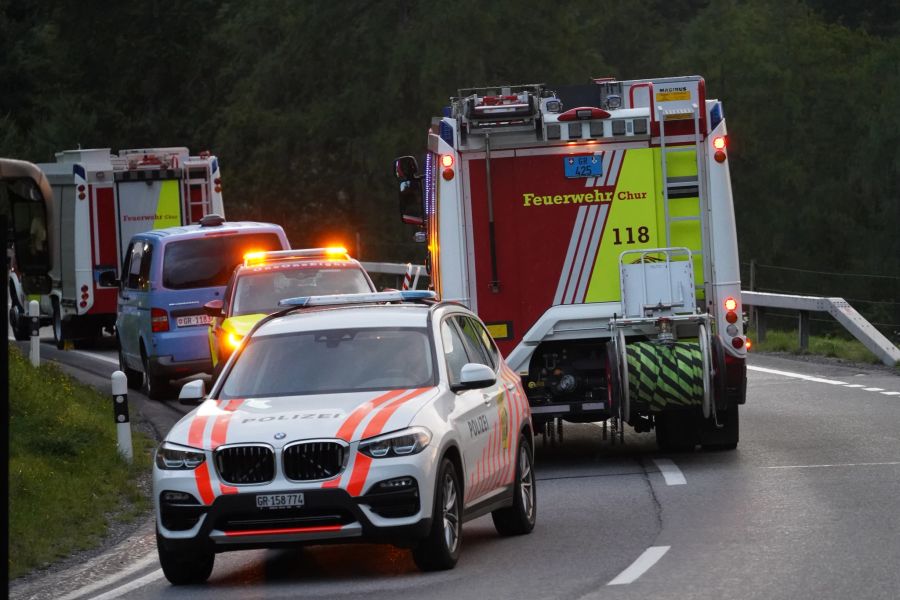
(120, 410)
(34, 314)
(838, 308)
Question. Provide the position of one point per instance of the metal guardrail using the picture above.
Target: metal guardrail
(838, 308)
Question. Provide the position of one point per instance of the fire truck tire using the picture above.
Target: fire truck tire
(725, 438)
(59, 334)
(519, 518)
(134, 377)
(439, 550)
(19, 323)
(155, 387)
(676, 431)
(183, 567)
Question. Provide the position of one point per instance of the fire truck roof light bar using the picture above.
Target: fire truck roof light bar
(365, 298)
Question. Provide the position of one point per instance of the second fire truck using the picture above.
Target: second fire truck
(592, 228)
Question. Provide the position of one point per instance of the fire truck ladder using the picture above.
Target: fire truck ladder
(689, 186)
(196, 177)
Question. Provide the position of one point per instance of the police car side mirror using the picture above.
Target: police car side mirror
(192, 392)
(213, 308)
(474, 376)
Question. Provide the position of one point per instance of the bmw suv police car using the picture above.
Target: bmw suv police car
(362, 417)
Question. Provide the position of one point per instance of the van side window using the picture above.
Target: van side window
(144, 272)
(132, 277)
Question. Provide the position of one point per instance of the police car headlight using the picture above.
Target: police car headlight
(172, 456)
(399, 443)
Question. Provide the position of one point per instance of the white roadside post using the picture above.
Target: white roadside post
(34, 315)
(407, 278)
(120, 406)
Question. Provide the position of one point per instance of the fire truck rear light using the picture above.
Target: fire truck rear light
(730, 303)
(719, 156)
(447, 160)
(218, 188)
(583, 113)
(80, 188)
(719, 142)
(81, 196)
(448, 174)
(731, 316)
(85, 295)
(82, 304)
(84, 288)
(737, 342)
(159, 320)
(217, 181)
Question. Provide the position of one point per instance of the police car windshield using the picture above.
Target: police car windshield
(331, 362)
(259, 291)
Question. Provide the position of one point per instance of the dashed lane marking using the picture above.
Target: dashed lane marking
(670, 471)
(823, 380)
(640, 566)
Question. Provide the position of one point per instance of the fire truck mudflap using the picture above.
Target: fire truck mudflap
(592, 229)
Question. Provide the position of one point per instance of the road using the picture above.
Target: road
(807, 507)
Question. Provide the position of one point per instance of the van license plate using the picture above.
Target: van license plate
(193, 320)
(279, 500)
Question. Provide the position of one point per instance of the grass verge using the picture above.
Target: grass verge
(789, 341)
(66, 478)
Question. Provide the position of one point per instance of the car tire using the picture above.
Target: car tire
(184, 567)
(440, 549)
(520, 518)
(154, 387)
(134, 377)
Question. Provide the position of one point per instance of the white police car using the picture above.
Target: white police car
(378, 417)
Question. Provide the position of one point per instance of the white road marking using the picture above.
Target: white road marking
(130, 586)
(797, 375)
(137, 566)
(640, 566)
(874, 464)
(112, 361)
(821, 380)
(670, 471)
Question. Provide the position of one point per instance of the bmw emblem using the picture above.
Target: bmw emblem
(280, 435)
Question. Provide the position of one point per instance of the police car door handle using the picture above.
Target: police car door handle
(487, 399)
(510, 386)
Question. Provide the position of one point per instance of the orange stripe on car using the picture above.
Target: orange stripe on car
(204, 483)
(375, 427)
(195, 433)
(220, 426)
(349, 426)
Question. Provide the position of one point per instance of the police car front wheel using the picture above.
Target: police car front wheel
(519, 518)
(440, 549)
(185, 566)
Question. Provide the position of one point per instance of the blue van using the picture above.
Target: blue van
(167, 277)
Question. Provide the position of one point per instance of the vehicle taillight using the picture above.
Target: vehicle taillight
(730, 303)
(447, 160)
(719, 142)
(234, 340)
(749, 344)
(737, 342)
(159, 320)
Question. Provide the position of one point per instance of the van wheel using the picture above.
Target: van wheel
(134, 377)
(185, 567)
(19, 323)
(155, 387)
(519, 518)
(440, 549)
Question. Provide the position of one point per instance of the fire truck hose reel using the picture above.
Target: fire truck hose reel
(662, 376)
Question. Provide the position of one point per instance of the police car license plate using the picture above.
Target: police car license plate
(279, 500)
(583, 166)
(192, 320)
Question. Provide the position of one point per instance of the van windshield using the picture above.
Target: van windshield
(209, 261)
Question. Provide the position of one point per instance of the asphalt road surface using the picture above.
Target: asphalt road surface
(808, 506)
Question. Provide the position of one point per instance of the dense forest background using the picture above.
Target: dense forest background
(307, 103)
